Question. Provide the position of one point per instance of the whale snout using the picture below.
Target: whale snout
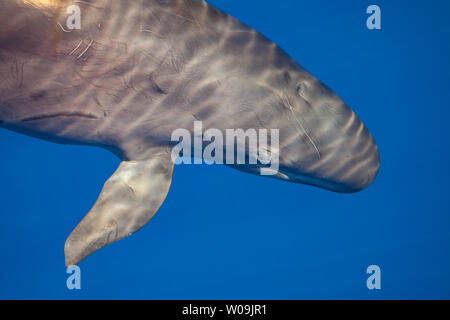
(351, 159)
(333, 149)
(359, 168)
(349, 166)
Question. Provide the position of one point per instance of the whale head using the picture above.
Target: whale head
(325, 144)
(322, 142)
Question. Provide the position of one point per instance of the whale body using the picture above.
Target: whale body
(137, 70)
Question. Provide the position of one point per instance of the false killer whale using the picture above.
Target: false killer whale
(130, 72)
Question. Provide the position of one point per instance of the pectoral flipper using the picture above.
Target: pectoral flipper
(127, 202)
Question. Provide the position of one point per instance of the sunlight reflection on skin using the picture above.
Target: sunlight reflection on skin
(45, 3)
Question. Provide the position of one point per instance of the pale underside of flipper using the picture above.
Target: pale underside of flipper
(127, 202)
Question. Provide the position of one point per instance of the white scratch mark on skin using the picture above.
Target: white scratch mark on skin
(287, 103)
(302, 127)
(85, 50)
(76, 48)
(194, 21)
(150, 31)
(62, 28)
(87, 3)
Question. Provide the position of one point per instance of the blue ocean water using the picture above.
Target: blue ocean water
(223, 234)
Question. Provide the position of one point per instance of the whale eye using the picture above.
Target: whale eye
(301, 89)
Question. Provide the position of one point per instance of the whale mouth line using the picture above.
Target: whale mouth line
(40, 117)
